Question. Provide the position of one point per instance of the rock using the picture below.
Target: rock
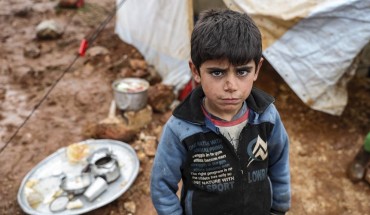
(149, 147)
(149, 144)
(139, 119)
(123, 62)
(141, 155)
(49, 29)
(97, 54)
(160, 97)
(125, 72)
(130, 206)
(97, 51)
(112, 127)
(32, 51)
(158, 131)
(138, 64)
(118, 131)
(139, 73)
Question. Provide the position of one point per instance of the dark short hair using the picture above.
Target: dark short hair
(225, 34)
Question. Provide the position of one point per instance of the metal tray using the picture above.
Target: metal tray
(127, 160)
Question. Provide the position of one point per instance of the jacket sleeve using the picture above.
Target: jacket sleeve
(166, 173)
(279, 171)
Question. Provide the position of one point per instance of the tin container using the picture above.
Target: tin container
(103, 163)
(96, 189)
(130, 94)
(59, 204)
(76, 184)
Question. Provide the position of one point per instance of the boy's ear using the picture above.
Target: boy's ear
(194, 72)
(258, 69)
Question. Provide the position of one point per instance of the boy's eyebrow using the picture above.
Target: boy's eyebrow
(244, 67)
(216, 68)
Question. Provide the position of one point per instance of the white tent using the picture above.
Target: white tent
(161, 31)
(311, 44)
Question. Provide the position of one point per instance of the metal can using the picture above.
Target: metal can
(131, 94)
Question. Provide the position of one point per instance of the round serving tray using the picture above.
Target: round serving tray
(58, 162)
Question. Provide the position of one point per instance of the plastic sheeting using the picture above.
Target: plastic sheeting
(161, 31)
(315, 47)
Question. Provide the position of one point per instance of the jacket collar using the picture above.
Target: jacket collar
(190, 109)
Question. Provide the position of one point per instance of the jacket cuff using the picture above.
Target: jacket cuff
(275, 212)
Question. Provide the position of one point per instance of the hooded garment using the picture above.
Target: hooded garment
(217, 179)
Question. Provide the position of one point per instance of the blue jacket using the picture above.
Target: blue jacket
(217, 179)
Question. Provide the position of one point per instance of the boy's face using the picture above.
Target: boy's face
(225, 86)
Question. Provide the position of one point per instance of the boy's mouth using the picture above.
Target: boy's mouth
(231, 101)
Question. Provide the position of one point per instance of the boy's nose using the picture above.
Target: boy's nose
(230, 86)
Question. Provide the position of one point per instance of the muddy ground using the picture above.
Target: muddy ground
(321, 145)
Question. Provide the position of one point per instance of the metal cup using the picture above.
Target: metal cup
(96, 189)
(128, 98)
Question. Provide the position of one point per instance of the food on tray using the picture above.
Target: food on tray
(34, 198)
(75, 204)
(77, 151)
(30, 183)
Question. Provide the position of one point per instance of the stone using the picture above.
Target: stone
(149, 144)
(49, 29)
(138, 64)
(160, 97)
(97, 51)
(130, 206)
(32, 51)
(139, 119)
(115, 131)
(125, 72)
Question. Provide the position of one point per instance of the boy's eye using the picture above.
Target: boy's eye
(242, 72)
(216, 73)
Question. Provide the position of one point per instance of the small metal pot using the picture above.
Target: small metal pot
(76, 184)
(130, 94)
(104, 164)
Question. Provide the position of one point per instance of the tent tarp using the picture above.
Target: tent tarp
(312, 44)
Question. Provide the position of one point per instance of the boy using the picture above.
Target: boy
(226, 140)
